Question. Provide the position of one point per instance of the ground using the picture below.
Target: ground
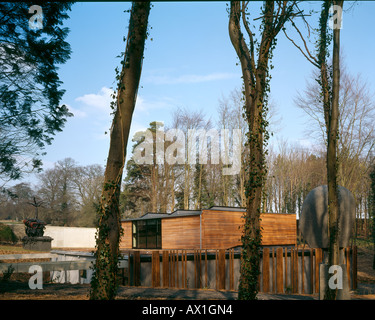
(16, 288)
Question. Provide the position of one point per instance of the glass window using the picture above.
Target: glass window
(147, 234)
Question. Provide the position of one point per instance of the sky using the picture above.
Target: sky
(189, 62)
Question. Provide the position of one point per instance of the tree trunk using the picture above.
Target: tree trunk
(103, 284)
(254, 81)
(154, 187)
(332, 163)
(256, 85)
(187, 187)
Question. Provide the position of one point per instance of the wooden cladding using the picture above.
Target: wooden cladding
(223, 229)
(218, 229)
(278, 229)
(181, 232)
(126, 239)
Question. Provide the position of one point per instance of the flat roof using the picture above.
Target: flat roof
(223, 208)
(177, 213)
(184, 213)
(151, 215)
(180, 213)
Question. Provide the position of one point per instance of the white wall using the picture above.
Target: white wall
(71, 237)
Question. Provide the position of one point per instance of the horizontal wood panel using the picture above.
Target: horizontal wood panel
(126, 239)
(223, 229)
(278, 229)
(180, 233)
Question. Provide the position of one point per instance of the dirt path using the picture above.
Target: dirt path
(20, 291)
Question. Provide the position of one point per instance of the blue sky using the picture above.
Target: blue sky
(190, 62)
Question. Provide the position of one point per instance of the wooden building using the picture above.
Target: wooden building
(213, 228)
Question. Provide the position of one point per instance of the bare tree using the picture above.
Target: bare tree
(36, 204)
(356, 118)
(15, 202)
(56, 190)
(88, 183)
(293, 171)
(187, 121)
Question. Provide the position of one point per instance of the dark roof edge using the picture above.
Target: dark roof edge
(224, 208)
(187, 213)
(182, 213)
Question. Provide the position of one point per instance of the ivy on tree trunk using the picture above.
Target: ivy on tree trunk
(330, 93)
(104, 284)
(255, 71)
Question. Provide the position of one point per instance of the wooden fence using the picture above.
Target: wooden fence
(283, 269)
(296, 270)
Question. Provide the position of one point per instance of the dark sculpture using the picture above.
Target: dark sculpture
(34, 227)
(313, 221)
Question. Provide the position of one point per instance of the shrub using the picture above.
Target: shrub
(7, 234)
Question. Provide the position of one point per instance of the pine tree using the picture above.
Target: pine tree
(30, 93)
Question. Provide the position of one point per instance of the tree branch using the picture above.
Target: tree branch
(308, 56)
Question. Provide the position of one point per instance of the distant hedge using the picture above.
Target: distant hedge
(7, 234)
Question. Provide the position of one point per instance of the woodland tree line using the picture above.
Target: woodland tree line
(68, 194)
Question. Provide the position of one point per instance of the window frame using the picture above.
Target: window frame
(141, 230)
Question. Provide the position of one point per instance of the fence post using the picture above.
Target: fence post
(279, 271)
(199, 269)
(137, 268)
(185, 274)
(129, 267)
(354, 267)
(231, 269)
(155, 269)
(295, 270)
(196, 276)
(303, 269)
(182, 269)
(173, 268)
(347, 262)
(292, 269)
(165, 268)
(273, 270)
(311, 271)
(266, 270)
(205, 268)
(286, 267)
(221, 269)
(318, 260)
(178, 268)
